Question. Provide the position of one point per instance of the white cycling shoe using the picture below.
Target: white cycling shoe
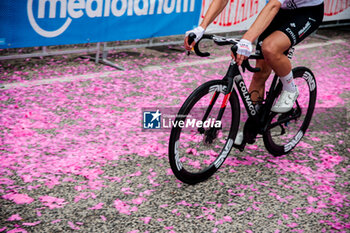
(285, 102)
(239, 138)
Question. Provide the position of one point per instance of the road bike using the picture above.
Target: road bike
(207, 123)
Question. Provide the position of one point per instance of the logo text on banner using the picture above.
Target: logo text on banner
(75, 9)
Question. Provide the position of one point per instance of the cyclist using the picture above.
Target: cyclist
(280, 25)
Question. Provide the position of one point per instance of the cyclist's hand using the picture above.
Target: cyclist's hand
(244, 50)
(198, 31)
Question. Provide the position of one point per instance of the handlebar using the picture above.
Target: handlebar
(219, 40)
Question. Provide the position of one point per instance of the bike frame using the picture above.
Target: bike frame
(233, 76)
(261, 118)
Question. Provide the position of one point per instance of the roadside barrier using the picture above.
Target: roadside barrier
(47, 23)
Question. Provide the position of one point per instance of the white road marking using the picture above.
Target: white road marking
(71, 78)
(313, 45)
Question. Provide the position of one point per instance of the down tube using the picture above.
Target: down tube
(243, 91)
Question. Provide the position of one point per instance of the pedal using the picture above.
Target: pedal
(250, 131)
(201, 130)
(251, 140)
(240, 147)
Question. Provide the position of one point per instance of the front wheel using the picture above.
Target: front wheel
(199, 143)
(284, 131)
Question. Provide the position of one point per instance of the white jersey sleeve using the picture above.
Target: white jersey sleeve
(294, 4)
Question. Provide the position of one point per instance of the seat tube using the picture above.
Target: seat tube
(275, 89)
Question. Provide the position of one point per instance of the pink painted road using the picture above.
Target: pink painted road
(74, 157)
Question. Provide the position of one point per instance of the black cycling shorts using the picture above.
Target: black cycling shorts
(297, 24)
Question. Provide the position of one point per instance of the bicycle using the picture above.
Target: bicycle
(197, 152)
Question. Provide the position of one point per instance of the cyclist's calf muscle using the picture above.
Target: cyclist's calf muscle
(258, 81)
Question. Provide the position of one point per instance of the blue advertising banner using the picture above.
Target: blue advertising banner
(28, 23)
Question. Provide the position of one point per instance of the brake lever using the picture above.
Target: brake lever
(245, 63)
(234, 49)
(191, 38)
(243, 67)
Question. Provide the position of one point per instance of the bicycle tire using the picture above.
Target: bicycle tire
(278, 146)
(179, 163)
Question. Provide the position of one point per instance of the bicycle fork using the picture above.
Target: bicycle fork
(232, 71)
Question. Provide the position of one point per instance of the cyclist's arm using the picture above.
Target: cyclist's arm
(263, 20)
(261, 23)
(215, 8)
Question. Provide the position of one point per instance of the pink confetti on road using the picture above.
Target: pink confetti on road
(14, 217)
(78, 148)
(18, 198)
(31, 223)
(52, 202)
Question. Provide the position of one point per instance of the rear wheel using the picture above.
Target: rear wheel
(285, 130)
(197, 150)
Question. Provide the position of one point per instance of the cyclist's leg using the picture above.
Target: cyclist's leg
(273, 49)
(297, 25)
(257, 86)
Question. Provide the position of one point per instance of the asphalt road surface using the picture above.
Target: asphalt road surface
(74, 156)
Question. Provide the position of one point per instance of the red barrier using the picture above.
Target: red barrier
(333, 7)
(236, 11)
